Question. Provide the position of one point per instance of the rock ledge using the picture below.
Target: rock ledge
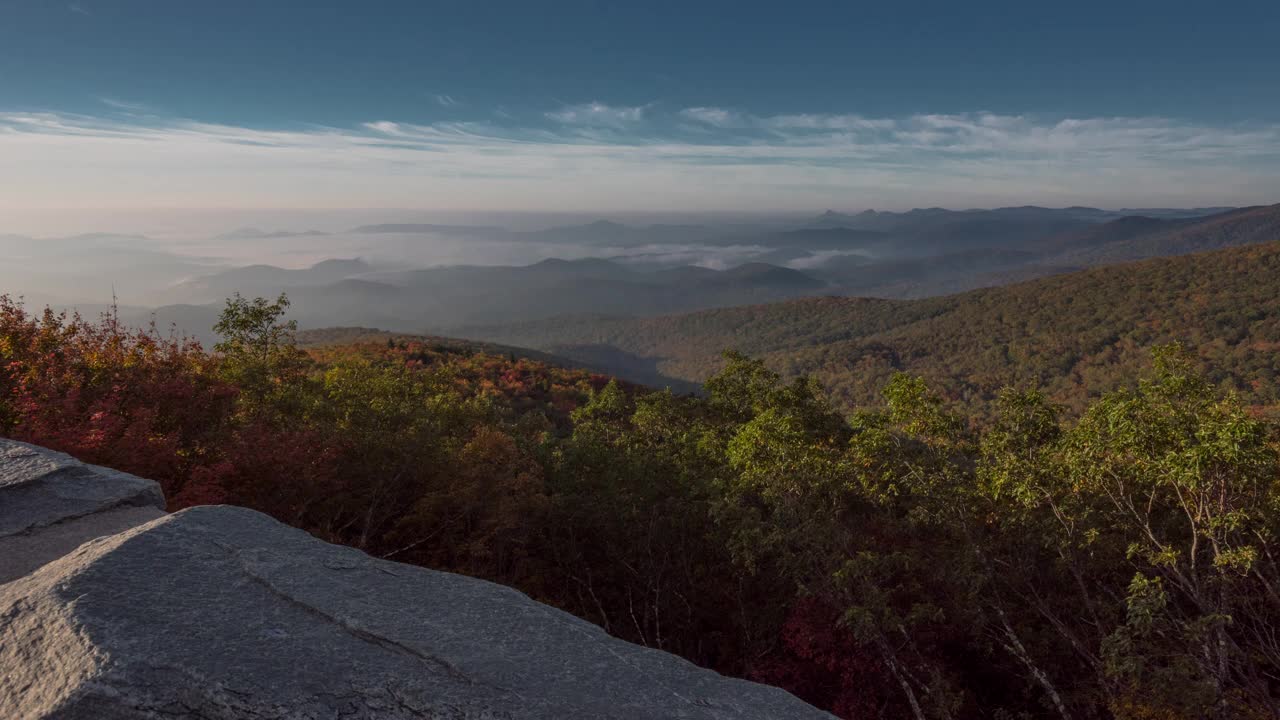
(220, 612)
(50, 503)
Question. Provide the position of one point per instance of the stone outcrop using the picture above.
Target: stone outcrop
(50, 503)
(220, 612)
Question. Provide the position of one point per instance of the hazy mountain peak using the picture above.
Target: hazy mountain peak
(831, 218)
(352, 265)
(253, 233)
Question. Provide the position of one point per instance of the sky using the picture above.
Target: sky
(636, 106)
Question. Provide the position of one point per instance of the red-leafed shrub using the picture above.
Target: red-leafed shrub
(132, 400)
(822, 662)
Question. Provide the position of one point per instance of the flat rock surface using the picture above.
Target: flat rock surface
(22, 553)
(50, 503)
(40, 487)
(220, 612)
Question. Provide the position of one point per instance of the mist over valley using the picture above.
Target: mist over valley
(445, 278)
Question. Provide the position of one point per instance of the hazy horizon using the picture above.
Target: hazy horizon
(411, 270)
(204, 223)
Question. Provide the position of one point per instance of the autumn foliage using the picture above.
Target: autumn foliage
(904, 562)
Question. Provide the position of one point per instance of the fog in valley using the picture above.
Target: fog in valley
(470, 274)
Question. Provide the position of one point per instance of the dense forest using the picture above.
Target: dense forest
(1075, 336)
(901, 562)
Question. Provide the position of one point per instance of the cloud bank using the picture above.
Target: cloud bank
(595, 156)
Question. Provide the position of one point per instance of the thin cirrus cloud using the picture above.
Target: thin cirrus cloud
(603, 157)
(124, 105)
(596, 113)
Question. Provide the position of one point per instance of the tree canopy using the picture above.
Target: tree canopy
(908, 560)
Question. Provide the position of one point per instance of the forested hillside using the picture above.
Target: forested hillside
(341, 339)
(1135, 238)
(905, 562)
(1074, 335)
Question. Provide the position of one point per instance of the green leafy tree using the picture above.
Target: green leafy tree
(258, 349)
(1141, 539)
(1187, 481)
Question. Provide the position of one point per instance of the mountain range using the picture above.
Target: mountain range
(1074, 334)
(350, 292)
(617, 272)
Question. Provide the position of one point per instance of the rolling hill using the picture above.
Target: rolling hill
(938, 253)
(1075, 335)
(919, 254)
(433, 300)
(1134, 238)
(253, 280)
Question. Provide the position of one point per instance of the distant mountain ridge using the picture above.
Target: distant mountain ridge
(252, 280)
(885, 220)
(610, 268)
(1074, 334)
(841, 229)
(1134, 238)
(351, 292)
(251, 233)
(969, 254)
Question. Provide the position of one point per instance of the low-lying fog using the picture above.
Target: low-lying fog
(412, 272)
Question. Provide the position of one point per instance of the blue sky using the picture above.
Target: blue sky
(630, 105)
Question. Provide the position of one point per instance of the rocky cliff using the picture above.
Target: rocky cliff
(111, 609)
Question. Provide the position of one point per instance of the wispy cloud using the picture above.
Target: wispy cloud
(125, 105)
(722, 118)
(79, 9)
(637, 157)
(447, 101)
(596, 113)
(714, 116)
(826, 122)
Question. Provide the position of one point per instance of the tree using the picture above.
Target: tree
(258, 350)
(1142, 538)
(1186, 481)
